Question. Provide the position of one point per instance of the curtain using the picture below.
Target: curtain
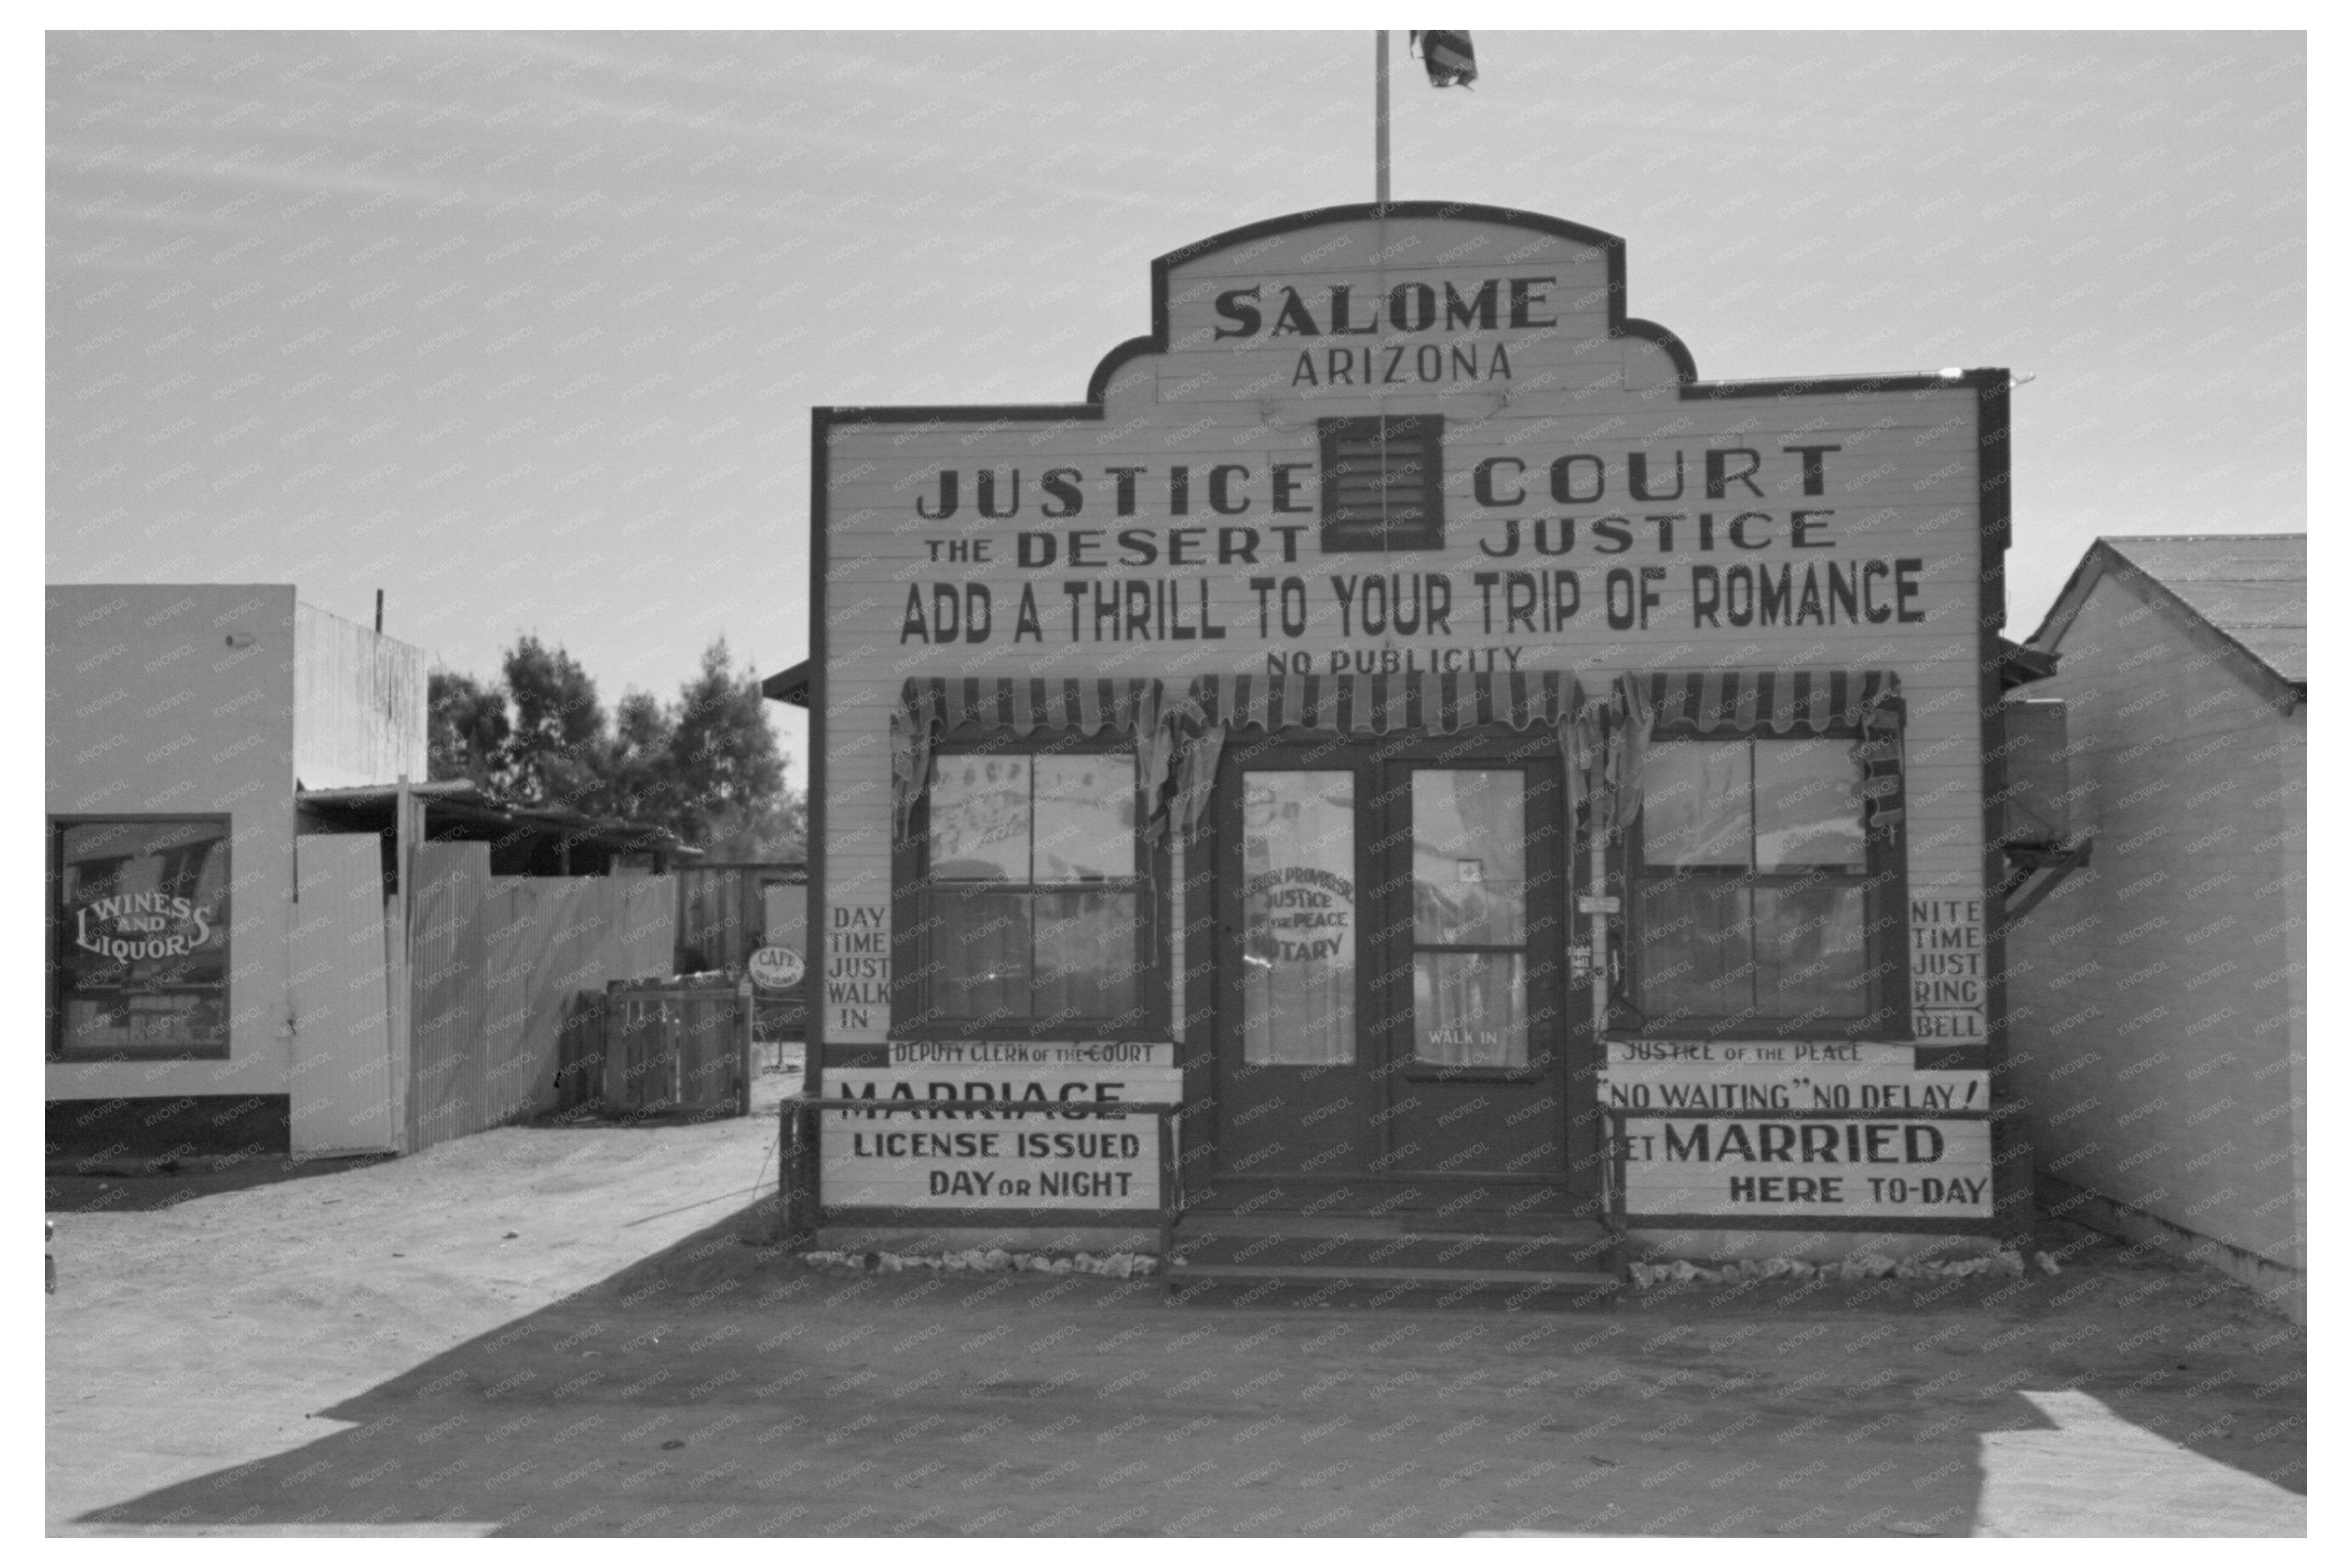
(1754, 701)
(1426, 703)
(927, 708)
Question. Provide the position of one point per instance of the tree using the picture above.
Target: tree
(556, 755)
(466, 728)
(731, 777)
(706, 767)
(640, 778)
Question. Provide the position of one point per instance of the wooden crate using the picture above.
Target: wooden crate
(677, 1050)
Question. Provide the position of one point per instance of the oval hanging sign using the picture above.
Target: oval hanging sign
(777, 968)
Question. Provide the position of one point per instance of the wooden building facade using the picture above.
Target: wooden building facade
(1408, 719)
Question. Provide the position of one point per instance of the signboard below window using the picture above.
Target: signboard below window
(140, 920)
(960, 1152)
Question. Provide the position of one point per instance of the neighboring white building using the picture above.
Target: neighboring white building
(2157, 1000)
(181, 720)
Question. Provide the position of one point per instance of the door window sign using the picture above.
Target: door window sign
(1299, 919)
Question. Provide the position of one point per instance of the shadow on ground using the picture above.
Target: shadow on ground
(122, 1185)
(720, 1388)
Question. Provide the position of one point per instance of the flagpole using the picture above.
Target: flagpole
(1381, 116)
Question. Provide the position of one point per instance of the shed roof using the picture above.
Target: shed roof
(788, 685)
(2245, 588)
(455, 809)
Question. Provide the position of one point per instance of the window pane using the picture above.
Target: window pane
(1810, 952)
(980, 956)
(1085, 816)
(980, 819)
(143, 945)
(1085, 954)
(1808, 804)
(1299, 919)
(1469, 856)
(1694, 948)
(1695, 804)
(1470, 1009)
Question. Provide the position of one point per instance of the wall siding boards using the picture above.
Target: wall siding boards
(1592, 391)
(359, 704)
(2157, 997)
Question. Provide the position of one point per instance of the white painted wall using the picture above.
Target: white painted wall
(2156, 999)
(151, 710)
(359, 704)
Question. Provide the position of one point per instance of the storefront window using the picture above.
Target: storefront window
(139, 918)
(1470, 917)
(1752, 882)
(1034, 911)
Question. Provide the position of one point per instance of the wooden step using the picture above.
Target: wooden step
(1407, 1222)
(1503, 1256)
(1383, 1275)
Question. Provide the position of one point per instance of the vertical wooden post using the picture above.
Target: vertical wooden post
(1381, 116)
(744, 1003)
(1597, 933)
(400, 1044)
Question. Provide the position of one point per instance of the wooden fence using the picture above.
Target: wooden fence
(506, 977)
(726, 911)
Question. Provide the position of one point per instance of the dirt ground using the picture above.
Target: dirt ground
(584, 1332)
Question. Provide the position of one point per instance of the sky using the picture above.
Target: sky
(524, 329)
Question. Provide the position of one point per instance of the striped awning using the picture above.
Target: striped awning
(1865, 703)
(1021, 706)
(1814, 700)
(1377, 704)
(1602, 733)
(1425, 702)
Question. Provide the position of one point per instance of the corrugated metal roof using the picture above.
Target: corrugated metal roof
(2247, 587)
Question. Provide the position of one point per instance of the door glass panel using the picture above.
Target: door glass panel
(1470, 1009)
(1469, 858)
(980, 819)
(1299, 919)
(1808, 806)
(1695, 804)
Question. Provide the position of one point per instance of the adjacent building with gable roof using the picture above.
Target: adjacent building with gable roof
(2157, 1000)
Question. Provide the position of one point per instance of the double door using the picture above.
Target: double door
(1394, 1022)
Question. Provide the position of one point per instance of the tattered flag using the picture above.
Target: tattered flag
(1448, 57)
